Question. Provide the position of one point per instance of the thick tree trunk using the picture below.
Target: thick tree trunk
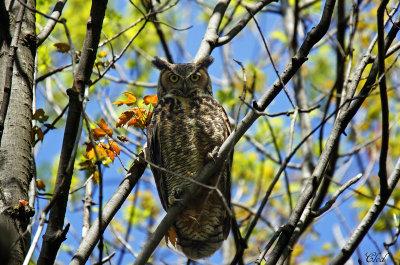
(15, 149)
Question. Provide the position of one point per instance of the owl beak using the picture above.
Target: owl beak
(185, 88)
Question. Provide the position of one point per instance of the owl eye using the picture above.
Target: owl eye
(173, 78)
(195, 77)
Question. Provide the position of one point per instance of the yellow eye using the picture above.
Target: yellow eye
(195, 77)
(173, 78)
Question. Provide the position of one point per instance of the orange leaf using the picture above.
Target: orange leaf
(62, 47)
(98, 133)
(40, 184)
(124, 118)
(90, 154)
(114, 147)
(150, 99)
(22, 202)
(103, 125)
(102, 131)
(129, 101)
(133, 122)
(193, 218)
(111, 155)
(102, 152)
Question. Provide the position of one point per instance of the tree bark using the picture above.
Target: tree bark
(15, 150)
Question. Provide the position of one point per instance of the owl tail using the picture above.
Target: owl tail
(200, 233)
(193, 249)
(199, 249)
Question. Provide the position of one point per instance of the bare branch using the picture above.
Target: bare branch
(120, 55)
(110, 209)
(242, 22)
(52, 239)
(368, 220)
(59, 69)
(329, 203)
(384, 99)
(123, 242)
(270, 57)
(51, 23)
(268, 246)
(342, 121)
(211, 35)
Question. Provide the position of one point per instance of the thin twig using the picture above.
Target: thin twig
(270, 57)
(52, 125)
(268, 246)
(242, 97)
(59, 69)
(242, 22)
(286, 113)
(275, 180)
(136, 22)
(123, 242)
(329, 203)
(130, 221)
(108, 258)
(396, 236)
(98, 164)
(110, 209)
(253, 212)
(368, 220)
(259, 146)
(290, 145)
(120, 55)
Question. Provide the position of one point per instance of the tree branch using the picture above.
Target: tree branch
(369, 219)
(242, 22)
(110, 209)
(341, 123)
(52, 239)
(384, 99)
(211, 34)
(51, 23)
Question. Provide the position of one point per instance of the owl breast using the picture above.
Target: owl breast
(183, 133)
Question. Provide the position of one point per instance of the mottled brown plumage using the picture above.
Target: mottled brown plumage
(186, 126)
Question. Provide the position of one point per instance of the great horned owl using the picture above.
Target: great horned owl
(187, 125)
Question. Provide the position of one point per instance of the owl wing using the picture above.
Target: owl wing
(228, 168)
(153, 139)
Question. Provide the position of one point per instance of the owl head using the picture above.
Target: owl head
(184, 79)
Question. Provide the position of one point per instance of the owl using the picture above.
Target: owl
(187, 127)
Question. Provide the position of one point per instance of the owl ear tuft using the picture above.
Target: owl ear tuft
(205, 62)
(161, 63)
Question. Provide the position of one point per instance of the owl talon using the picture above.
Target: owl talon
(175, 197)
(211, 155)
